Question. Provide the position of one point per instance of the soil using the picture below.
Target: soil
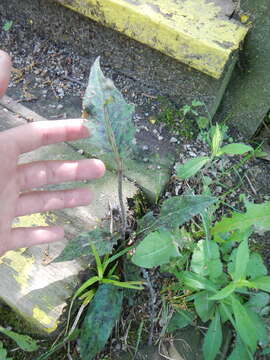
(50, 77)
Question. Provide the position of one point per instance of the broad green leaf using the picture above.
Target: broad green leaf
(25, 342)
(177, 210)
(203, 305)
(180, 319)
(258, 301)
(3, 352)
(156, 249)
(235, 149)
(80, 245)
(110, 116)
(259, 327)
(244, 325)
(262, 283)
(255, 266)
(241, 261)
(216, 141)
(257, 215)
(197, 282)
(206, 259)
(191, 167)
(213, 338)
(100, 319)
(240, 351)
(225, 292)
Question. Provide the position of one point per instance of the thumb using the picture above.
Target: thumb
(5, 66)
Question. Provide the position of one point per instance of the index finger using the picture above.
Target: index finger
(5, 66)
(31, 136)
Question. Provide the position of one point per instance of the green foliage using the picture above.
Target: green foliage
(156, 249)
(3, 352)
(213, 338)
(182, 121)
(191, 167)
(25, 342)
(180, 319)
(216, 136)
(7, 25)
(100, 320)
(257, 215)
(111, 125)
(80, 246)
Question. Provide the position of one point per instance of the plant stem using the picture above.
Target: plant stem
(119, 163)
(121, 200)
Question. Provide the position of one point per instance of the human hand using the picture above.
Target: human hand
(16, 181)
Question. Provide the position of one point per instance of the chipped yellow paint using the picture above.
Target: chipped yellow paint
(22, 266)
(188, 30)
(49, 323)
(20, 263)
(39, 219)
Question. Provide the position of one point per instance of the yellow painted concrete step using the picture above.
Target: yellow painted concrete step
(199, 33)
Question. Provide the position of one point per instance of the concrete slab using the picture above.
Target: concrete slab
(247, 100)
(30, 284)
(199, 33)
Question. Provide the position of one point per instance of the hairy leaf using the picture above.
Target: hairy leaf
(244, 325)
(100, 319)
(110, 116)
(213, 339)
(191, 167)
(180, 319)
(257, 215)
(156, 249)
(235, 149)
(204, 306)
(206, 259)
(25, 342)
(80, 245)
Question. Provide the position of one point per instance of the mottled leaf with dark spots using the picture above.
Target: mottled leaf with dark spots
(109, 114)
(100, 319)
(80, 245)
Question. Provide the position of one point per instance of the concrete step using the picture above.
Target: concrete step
(199, 33)
(247, 101)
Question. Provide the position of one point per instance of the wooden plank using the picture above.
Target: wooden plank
(35, 288)
(199, 33)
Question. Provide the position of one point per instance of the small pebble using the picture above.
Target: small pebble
(173, 140)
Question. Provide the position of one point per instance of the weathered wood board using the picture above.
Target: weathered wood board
(30, 284)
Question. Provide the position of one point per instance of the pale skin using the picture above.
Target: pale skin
(17, 181)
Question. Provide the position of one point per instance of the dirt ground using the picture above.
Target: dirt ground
(50, 74)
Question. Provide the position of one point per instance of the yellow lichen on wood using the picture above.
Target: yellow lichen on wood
(191, 31)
